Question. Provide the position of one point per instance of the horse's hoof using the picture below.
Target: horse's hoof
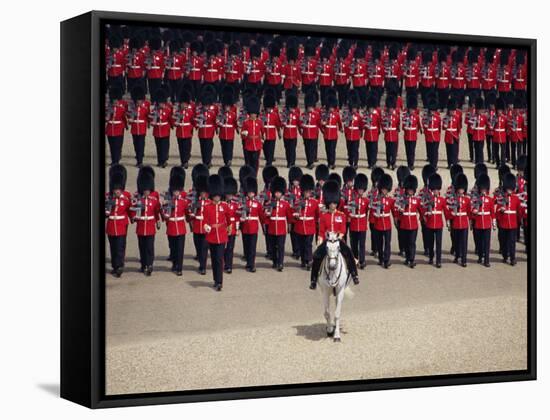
(337, 339)
(330, 333)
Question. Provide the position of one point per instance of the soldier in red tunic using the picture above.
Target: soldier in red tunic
(206, 117)
(411, 126)
(175, 63)
(183, 118)
(331, 126)
(357, 209)
(433, 207)
(332, 220)
(227, 125)
(326, 73)
(482, 211)
(271, 125)
(115, 122)
(252, 133)
(479, 126)
(407, 210)
(251, 219)
(135, 65)
(399, 192)
(451, 125)
(195, 68)
(278, 215)
(116, 61)
(309, 125)
(155, 65)
(507, 215)
(138, 118)
(117, 212)
(274, 70)
(290, 120)
(457, 213)
(306, 213)
(372, 125)
(291, 73)
(230, 191)
(431, 125)
(161, 119)
(342, 71)
(234, 68)
(382, 207)
(353, 123)
(390, 127)
(198, 198)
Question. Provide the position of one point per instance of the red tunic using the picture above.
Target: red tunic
(138, 117)
(155, 69)
(227, 124)
(479, 127)
(161, 119)
(271, 124)
(196, 216)
(433, 213)
(427, 75)
(412, 75)
(274, 71)
(118, 217)
(408, 214)
(277, 215)
(206, 121)
(175, 217)
(458, 80)
(233, 207)
(504, 79)
(499, 130)
(381, 209)
(360, 74)
(335, 222)
(356, 212)
(331, 127)
(175, 66)
(376, 75)
(473, 76)
(310, 123)
(489, 77)
(443, 77)
(483, 212)
(196, 68)
(431, 125)
(115, 117)
(251, 133)
(452, 124)
(354, 127)
(519, 79)
(410, 125)
(309, 71)
(372, 125)
(135, 67)
(216, 221)
(390, 126)
(305, 217)
(184, 121)
(116, 63)
(458, 213)
(507, 211)
(250, 222)
(290, 119)
(234, 69)
(516, 127)
(147, 216)
(292, 76)
(342, 70)
(255, 70)
(326, 74)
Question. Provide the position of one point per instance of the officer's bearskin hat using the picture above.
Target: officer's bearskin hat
(402, 172)
(455, 170)
(307, 183)
(278, 184)
(472, 56)
(177, 181)
(509, 182)
(480, 103)
(427, 171)
(249, 184)
(385, 182)
(490, 99)
(310, 100)
(321, 172)
(268, 173)
(215, 185)
(135, 43)
(390, 101)
(502, 171)
(200, 169)
(230, 186)
(117, 177)
(331, 192)
(334, 176)
(359, 52)
(483, 182)
(246, 170)
(269, 101)
(460, 182)
(294, 174)
(522, 163)
(348, 173)
(225, 172)
(253, 105)
(228, 98)
(412, 102)
(361, 182)
(410, 183)
(291, 101)
(375, 175)
(145, 180)
(435, 182)
(332, 101)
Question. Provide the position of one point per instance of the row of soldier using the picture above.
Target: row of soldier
(218, 209)
(494, 124)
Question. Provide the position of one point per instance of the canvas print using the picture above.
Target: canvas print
(290, 208)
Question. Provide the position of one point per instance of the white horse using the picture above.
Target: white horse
(333, 279)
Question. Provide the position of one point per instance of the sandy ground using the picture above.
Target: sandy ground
(167, 333)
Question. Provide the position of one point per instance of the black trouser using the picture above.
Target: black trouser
(478, 152)
(310, 146)
(460, 243)
(278, 90)
(372, 152)
(163, 149)
(424, 232)
(482, 237)
(513, 153)
(256, 88)
(154, 85)
(116, 80)
(252, 159)
(321, 252)
(391, 152)
(146, 245)
(459, 94)
(177, 247)
(377, 90)
(215, 85)
(323, 94)
(409, 242)
(269, 151)
(343, 91)
(216, 257)
(134, 81)
(305, 244)
(410, 150)
(196, 89)
(508, 142)
(432, 152)
(358, 241)
(139, 147)
(442, 97)
(383, 238)
(278, 249)
(499, 153)
(227, 150)
(290, 151)
(373, 239)
(115, 146)
(292, 91)
(523, 147)
(117, 245)
(470, 147)
(400, 240)
(294, 243)
(228, 253)
(353, 152)
(509, 243)
(268, 243)
(452, 153)
(434, 237)
(249, 249)
(184, 147)
(330, 150)
(201, 248)
(206, 150)
(362, 90)
(489, 145)
(308, 87)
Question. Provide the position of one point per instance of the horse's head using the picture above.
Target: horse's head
(333, 250)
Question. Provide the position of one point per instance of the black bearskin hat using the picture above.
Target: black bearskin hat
(432, 104)
(390, 101)
(278, 185)
(521, 163)
(268, 173)
(137, 93)
(435, 182)
(253, 105)
(145, 180)
(460, 182)
(402, 172)
(361, 182)
(480, 103)
(321, 172)
(503, 170)
(200, 169)
(291, 101)
(250, 184)
(215, 185)
(332, 101)
(294, 174)
(335, 177)
(410, 183)
(452, 104)
(117, 177)
(310, 100)
(348, 173)
(427, 171)
(225, 172)
(255, 50)
(375, 175)
(372, 101)
(509, 182)
(501, 104)
(177, 181)
(201, 184)
(479, 169)
(269, 101)
(246, 170)
(412, 102)
(115, 92)
(234, 49)
(483, 182)
(331, 193)
(230, 186)
(455, 170)
(179, 171)
(307, 183)
(385, 182)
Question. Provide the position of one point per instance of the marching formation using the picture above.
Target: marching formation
(202, 84)
(220, 207)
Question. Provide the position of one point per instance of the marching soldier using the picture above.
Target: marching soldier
(195, 68)
(274, 70)
(309, 68)
(507, 213)
(135, 66)
(206, 117)
(372, 126)
(375, 175)
(214, 69)
(234, 68)
(183, 118)
(427, 171)
(254, 70)
(293, 195)
(479, 127)
(357, 209)
(458, 76)
(306, 214)
(117, 212)
(398, 194)
(331, 126)
(175, 63)
(326, 73)
(332, 221)
(489, 73)
(251, 213)
(309, 125)
(359, 73)
(411, 126)
(230, 197)
(412, 73)
(155, 65)
(278, 215)
(138, 117)
(376, 76)
(198, 200)
(452, 123)
(271, 126)
(252, 132)
(216, 225)
(407, 209)
(491, 113)
(519, 76)
(116, 61)
(145, 212)
(268, 175)
(427, 75)
(115, 122)
(473, 72)
(443, 78)
(175, 208)
(457, 213)
(321, 176)
(450, 195)
(390, 126)
(342, 69)
(353, 127)
(433, 207)
(290, 120)
(483, 218)
(161, 119)
(499, 133)
(227, 123)
(291, 73)
(516, 129)
(381, 207)
(431, 125)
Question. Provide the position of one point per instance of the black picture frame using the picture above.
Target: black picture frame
(82, 223)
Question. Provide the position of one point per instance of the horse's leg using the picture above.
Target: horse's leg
(337, 312)
(326, 301)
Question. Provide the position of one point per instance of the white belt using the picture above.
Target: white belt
(117, 217)
(227, 125)
(391, 129)
(154, 67)
(310, 126)
(499, 129)
(474, 78)
(277, 218)
(520, 80)
(451, 129)
(489, 80)
(199, 217)
(270, 126)
(160, 123)
(251, 218)
(174, 68)
(290, 126)
(231, 71)
(432, 129)
(479, 128)
(145, 218)
(461, 213)
(331, 126)
(370, 127)
(483, 213)
(427, 77)
(181, 124)
(307, 72)
(408, 213)
(358, 216)
(410, 75)
(195, 69)
(459, 78)
(359, 75)
(275, 74)
(205, 125)
(341, 74)
(116, 65)
(176, 219)
(324, 74)
(254, 71)
(517, 129)
(409, 128)
(114, 122)
(138, 121)
(355, 128)
(382, 215)
(211, 70)
(443, 78)
(435, 212)
(138, 67)
(509, 212)
(304, 218)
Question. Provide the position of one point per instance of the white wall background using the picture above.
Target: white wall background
(29, 185)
